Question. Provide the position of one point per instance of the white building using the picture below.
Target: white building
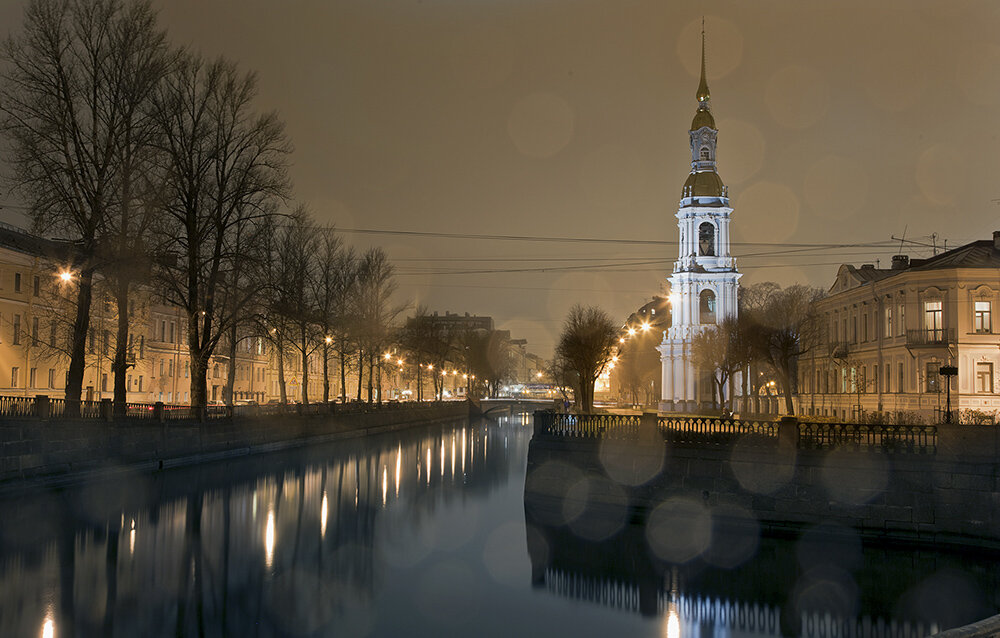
(705, 280)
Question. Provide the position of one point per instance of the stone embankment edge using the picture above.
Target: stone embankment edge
(986, 628)
(63, 479)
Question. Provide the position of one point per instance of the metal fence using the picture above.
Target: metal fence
(921, 439)
(55, 408)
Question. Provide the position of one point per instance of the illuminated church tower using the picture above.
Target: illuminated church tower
(704, 282)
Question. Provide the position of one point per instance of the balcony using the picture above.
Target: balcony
(930, 337)
(840, 350)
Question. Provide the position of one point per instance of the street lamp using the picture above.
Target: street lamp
(66, 276)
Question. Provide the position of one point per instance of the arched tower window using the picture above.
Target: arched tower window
(704, 153)
(706, 306)
(706, 239)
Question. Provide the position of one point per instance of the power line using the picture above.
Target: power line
(597, 240)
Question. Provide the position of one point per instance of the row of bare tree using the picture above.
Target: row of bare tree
(157, 167)
(774, 328)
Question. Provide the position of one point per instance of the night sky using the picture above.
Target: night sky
(839, 122)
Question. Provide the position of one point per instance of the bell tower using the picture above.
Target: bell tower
(704, 281)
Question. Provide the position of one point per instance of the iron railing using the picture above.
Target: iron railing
(920, 439)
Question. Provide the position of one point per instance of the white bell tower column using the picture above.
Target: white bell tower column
(704, 282)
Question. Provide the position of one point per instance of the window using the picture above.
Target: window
(901, 319)
(888, 321)
(707, 306)
(984, 377)
(36, 285)
(140, 383)
(52, 377)
(13, 376)
(163, 331)
(172, 326)
(161, 367)
(17, 282)
(187, 366)
(843, 380)
(933, 320)
(128, 383)
(215, 371)
(32, 377)
(170, 371)
(888, 378)
(864, 326)
(706, 239)
(34, 331)
(52, 334)
(90, 335)
(142, 346)
(104, 382)
(105, 341)
(981, 320)
(933, 383)
(854, 329)
(704, 154)
(17, 331)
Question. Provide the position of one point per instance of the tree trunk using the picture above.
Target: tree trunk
(199, 377)
(78, 347)
(227, 390)
(786, 387)
(361, 369)
(343, 375)
(282, 390)
(371, 380)
(419, 385)
(305, 364)
(120, 365)
(326, 373)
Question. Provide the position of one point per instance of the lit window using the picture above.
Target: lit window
(984, 377)
(981, 319)
(934, 320)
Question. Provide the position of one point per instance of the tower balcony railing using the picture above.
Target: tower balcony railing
(930, 337)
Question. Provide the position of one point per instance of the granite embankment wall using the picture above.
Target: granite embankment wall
(945, 491)
(39, 450)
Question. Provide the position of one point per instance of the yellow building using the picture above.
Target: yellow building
(885, 334)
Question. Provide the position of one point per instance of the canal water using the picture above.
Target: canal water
(424, 533)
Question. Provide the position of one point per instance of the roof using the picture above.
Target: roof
(702, 118)
(705, 184)
(978, 254)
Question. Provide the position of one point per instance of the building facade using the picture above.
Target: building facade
(884, 335)
(705, 280)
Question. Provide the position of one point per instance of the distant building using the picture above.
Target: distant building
(635, 378)
(885, 334)
(455, 321)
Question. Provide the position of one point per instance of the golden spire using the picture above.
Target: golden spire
(703, 94)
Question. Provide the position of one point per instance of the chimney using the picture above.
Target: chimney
(996, 239)
(902, 262)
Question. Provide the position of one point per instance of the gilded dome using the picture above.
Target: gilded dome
(703, 117)
(707, 184)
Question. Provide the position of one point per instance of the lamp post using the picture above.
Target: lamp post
(948, 372)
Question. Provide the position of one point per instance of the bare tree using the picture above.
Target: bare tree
(294, 290)
(330, 273)
(718, 350)
(586, 343)
(72, 101)
(787, 327)
(225, 168)
(375, 313)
